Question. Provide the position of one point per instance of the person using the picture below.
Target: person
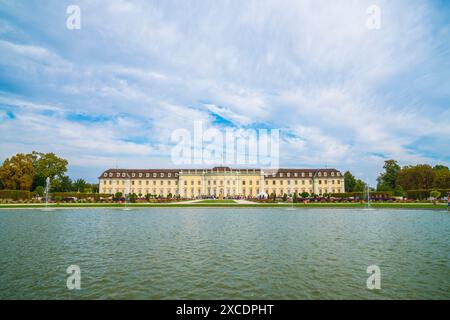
(448, 201)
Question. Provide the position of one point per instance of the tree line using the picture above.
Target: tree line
(28, 172)
(397, 179)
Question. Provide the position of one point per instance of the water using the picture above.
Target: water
(213, 253)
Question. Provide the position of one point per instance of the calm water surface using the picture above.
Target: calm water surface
(213, 253)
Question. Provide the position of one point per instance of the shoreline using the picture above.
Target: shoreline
(427, 206)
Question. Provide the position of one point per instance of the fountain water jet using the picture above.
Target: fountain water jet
(47, 189)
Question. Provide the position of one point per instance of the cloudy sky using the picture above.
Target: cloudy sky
(112, 93)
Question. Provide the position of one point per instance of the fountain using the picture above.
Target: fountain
(47, 189)
(368, 207)
(127, 195)
(291, 208)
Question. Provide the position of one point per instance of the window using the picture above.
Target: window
(162, 175)
(105, 174)
(154, 175)
(140, 175)
(133, 174)
(169, 175)
(147, 175)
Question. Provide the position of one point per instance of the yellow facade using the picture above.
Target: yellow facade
(221, 182)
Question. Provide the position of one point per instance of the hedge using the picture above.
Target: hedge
(79, 195)
(15, 194)
(362, 195)
(425, 193)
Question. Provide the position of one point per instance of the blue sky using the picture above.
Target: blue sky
(111, 93)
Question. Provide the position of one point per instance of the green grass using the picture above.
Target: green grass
(217, 201)
(442, 206)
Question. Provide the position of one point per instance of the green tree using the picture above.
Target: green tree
(440, 167)
(441, 178)
(349, 182)
(80, 185)
(360, 186)
(63, 184)
(416, 177)
(305, 195)
(387, 181)
(435, 195)
(47, 165)
(17, 173)
(39, 191)
(118, 195)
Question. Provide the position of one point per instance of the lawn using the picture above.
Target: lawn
(217, 201)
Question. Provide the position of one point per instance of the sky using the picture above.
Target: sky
(111, 93)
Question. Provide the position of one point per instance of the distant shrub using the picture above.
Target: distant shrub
(15, 194)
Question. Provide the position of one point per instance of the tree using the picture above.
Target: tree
(80, 185)
(387, 181)
(349, 182)
(360, 186)
(441, 179)
(63, 184)
(47, 165)
(440, 167)
(435, 195)
(305, 195)
(17, 173)
(118, 195)
(416, 177)
(39, 191)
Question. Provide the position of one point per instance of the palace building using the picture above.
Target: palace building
(221, 182)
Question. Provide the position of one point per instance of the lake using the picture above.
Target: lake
(224, 253)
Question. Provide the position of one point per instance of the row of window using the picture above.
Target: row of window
(169, 174)
(139, 175)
